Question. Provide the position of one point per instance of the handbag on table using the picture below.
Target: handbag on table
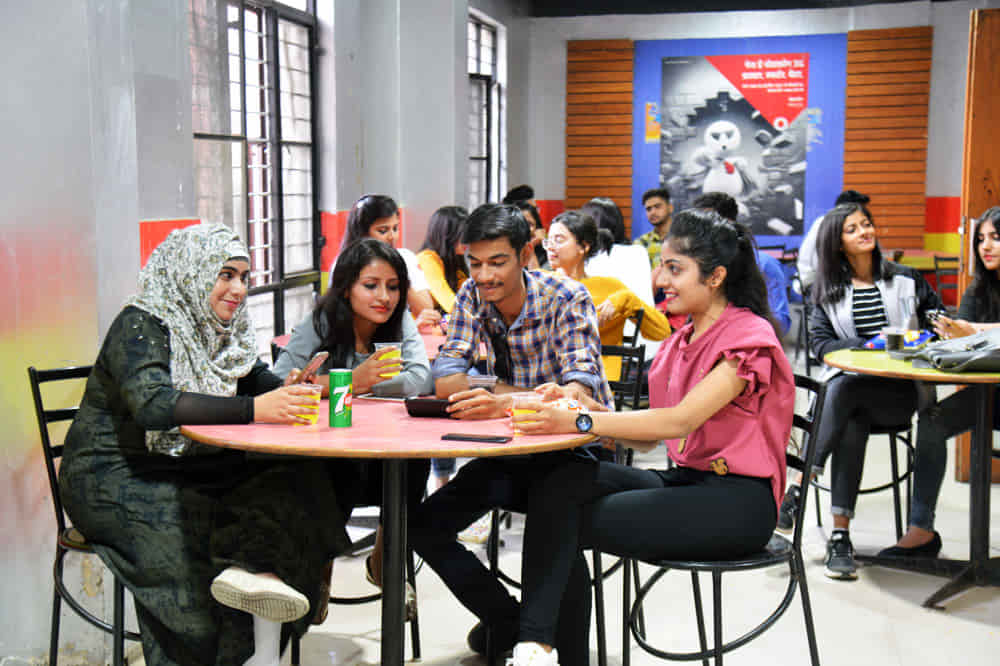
(979, 352)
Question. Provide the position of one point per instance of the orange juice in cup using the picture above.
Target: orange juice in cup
(518, 407)
(388, 350)
(314, 395)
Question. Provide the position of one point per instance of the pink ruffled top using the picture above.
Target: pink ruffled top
(749, 435)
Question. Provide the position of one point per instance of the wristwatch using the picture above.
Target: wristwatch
(584, 423)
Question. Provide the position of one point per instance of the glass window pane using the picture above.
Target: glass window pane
(299, 303)
(210, 67)
(261, 309)
(477, 117)
(218, 193)
(296, 183)
(477, 183)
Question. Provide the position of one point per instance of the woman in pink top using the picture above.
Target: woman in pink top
(721, 398)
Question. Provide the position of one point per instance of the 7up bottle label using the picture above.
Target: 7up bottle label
(340, 398)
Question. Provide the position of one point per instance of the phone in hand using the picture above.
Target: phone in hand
(313, 366)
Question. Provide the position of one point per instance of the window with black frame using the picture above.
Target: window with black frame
(255, 166)
(485, 113)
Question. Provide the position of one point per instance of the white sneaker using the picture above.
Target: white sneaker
(477, 532)
(263, 595)
(533, 654)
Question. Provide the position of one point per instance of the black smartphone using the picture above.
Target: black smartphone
(313, 365)
(466, 437)
(427, 406)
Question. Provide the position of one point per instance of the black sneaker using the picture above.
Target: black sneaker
(789, 507)
(840, 557)
(505, 634)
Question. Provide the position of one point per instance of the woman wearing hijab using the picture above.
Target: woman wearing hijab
(178, 522)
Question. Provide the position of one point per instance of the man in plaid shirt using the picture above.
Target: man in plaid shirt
(537, 328)
(658, 208)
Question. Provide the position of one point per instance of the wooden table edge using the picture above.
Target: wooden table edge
(512, 448)
(924, 374)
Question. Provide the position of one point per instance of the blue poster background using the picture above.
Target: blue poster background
(827, 84)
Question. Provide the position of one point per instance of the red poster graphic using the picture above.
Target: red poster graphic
(776, 84)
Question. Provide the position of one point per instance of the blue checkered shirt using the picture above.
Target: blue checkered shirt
(554, 338)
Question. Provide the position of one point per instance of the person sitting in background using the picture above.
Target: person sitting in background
(377, 216)
(623, 260)
(442, 256)
(179, 522)
(658, 211)
(979, 310)
(774, 277)
(530, 213)
(857, 293)
(808, 260)
(721, 397)
(519, 193)
(364, 305)
(573, 238)
(537, 328)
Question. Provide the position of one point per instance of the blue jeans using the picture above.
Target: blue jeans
(954, 415)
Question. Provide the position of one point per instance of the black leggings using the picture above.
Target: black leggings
(679, 513)
(853, 404)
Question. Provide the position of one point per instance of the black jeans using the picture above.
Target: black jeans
(854, 403)
(481, 485)
(358, 482)
(650, 515)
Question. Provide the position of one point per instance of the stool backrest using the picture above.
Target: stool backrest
(629, 385)
(632, 339)
(807, 423)
(46, 416)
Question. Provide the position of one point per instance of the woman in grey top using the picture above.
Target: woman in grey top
(365, 305)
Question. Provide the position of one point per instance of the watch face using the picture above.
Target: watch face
(584, 423)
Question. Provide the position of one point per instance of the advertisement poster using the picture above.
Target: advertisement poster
(764, 125)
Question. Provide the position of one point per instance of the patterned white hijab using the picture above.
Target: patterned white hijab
(207, 354)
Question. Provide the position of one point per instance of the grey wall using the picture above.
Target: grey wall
(396, 121)
(546, 83)
(97, 99)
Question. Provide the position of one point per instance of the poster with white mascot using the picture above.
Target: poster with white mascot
(739, 125)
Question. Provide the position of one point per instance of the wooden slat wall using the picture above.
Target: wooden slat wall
(885, 128)
(599, 123)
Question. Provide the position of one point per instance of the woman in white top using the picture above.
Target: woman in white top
(623, 260)
(377, 216)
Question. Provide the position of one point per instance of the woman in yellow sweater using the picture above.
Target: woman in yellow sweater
(441, 257)
(573, 238)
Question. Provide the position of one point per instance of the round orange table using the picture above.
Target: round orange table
(979, 569)
(382, 429)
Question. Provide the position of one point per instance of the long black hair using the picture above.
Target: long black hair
(834, 272)
(363, 215)
(333, 311)
(585, 231)
(444, 232)
(713, 241)
(607, 215)
(986, 283)
(535, 223)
